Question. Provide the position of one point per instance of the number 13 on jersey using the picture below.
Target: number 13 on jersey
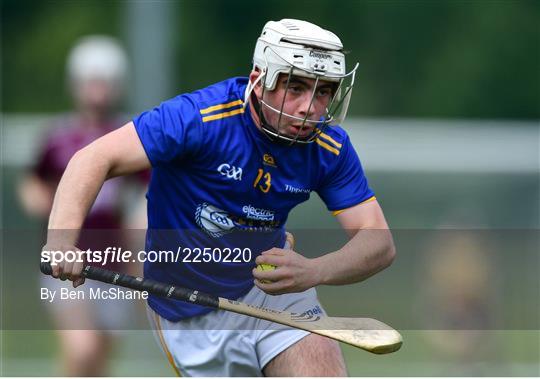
(266, 183)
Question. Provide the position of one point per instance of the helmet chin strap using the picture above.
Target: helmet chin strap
(265, 126)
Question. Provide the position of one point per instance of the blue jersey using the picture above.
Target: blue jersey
(218, 182)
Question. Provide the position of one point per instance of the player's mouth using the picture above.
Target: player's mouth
(298, 130)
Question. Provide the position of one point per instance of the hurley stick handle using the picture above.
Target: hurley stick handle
(141, 284)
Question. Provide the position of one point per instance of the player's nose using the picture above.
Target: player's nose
(306, 105)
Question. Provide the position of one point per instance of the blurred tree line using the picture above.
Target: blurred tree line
(456, 59)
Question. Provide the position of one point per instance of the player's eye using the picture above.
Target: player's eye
(323, 92)
(295, 88)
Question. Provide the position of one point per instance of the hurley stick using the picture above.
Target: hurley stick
(364, 333)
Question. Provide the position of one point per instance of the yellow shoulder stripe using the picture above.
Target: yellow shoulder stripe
(221, 106)
(335, 213)
(327, 146)
(222, 115)
(330, 139)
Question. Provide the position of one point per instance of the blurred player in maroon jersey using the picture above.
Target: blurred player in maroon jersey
(97, 68)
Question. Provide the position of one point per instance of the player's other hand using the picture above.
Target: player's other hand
(293, 273)
(70, 266)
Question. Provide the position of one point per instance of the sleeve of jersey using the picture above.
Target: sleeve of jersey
(345, 185)
(170, 131)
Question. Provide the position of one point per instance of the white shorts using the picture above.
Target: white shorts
(223, 343)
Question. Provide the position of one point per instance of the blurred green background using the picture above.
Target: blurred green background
(444, 116)
(466, 59)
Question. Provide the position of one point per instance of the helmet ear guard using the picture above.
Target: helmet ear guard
(299, 48)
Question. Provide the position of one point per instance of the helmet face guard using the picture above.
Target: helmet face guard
(308, 55)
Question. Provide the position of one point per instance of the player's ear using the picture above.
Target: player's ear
(253, 76)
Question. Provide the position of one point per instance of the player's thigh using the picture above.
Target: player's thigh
(313, 355)
(84, 343)
(84, 352)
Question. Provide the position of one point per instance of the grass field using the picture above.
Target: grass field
(508, 353)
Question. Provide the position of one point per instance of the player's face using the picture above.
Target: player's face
(295, 98)
(97, 96)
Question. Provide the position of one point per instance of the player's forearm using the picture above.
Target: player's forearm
(75, 194)
(35, 196)
(367, 253)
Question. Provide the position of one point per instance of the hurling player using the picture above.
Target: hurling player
(229, 162)
(97, 68)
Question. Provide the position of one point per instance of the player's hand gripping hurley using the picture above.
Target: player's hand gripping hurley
(365, 333)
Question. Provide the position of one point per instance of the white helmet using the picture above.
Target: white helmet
(97, 57)
(300, 48)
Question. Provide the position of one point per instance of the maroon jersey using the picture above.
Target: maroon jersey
(67, 136)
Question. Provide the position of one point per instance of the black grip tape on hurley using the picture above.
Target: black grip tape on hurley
(141, 284)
